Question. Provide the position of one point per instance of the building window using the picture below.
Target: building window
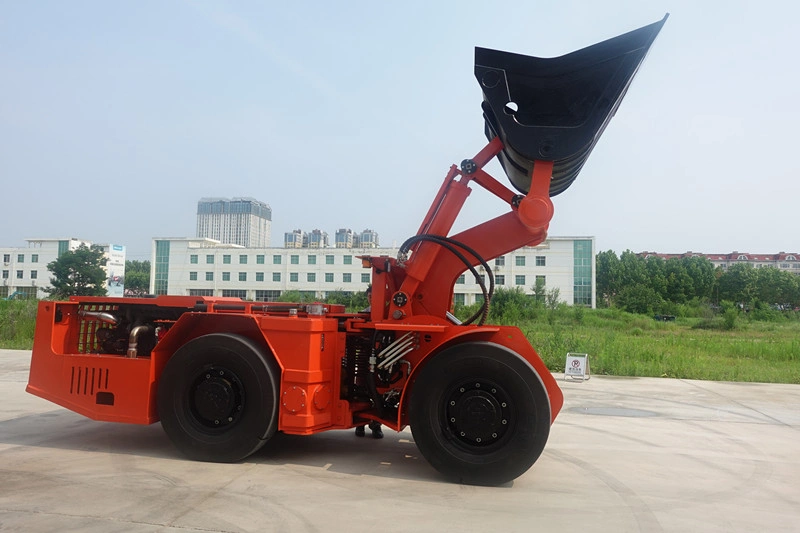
(267, 296)
(161, 268)
(276, 260)
(193, 259)
(234, 293)
(311, 277)
(6, 258)
(500, 279)
(209, 259)
(276, 276)
(481, 278)
(520, 260)
(790, 258)
(540, 260)
(294, 259)
(226, 259)
(458, 298)
(242, 259)
(541, 281)
(34, 274)
(328, 259)
(209, 276)
(259, 276)
(242, 276)
(364, 278)
(226, 276)
(260, 259)
(5, 274)
(312, 259)
(582, 272)
(201, 292)
(34, 258)
(460, 280)
(519, 279)
(347, 277)
(293, 277)
(192, 276)
(500, 261)
(20, 258)
(328, 277)
(347, 259)
(19, 274)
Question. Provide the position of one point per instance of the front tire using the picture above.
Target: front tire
(480, 414)
(218, 398)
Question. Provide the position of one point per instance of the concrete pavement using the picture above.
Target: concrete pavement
(626, 454)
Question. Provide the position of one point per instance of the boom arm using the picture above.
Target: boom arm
(543, 118)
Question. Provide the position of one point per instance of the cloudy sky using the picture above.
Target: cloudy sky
(116, 117)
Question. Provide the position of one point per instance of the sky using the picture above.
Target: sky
(117, 117)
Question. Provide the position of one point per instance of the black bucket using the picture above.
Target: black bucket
(555, 109)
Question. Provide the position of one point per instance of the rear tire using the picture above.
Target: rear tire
(480, 414)
(218, 398)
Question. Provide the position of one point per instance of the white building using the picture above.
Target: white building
(243, 221)
(206, 267)
(25, 274)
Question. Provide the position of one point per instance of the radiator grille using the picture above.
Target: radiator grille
(87, 332)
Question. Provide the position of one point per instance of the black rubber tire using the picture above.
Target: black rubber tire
(218, 398)
(479, 413)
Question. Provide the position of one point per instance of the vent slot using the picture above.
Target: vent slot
(86, 381)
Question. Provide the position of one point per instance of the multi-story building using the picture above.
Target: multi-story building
(243, 221)
(205, 267)
(317, 239)
(344, 238)
(25, 274)
(789, 262)
(295, 239)
(367, 239)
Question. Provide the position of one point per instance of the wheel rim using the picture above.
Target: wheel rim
(216, 399)
(478, 414)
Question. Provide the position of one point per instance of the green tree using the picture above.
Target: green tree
(639, 299)
(633, 270)
(657, 271)
(701, 270)
(511, 305)
(680, 286)
(78, 272)
(608, 277)
(137, 278)
(739, 284)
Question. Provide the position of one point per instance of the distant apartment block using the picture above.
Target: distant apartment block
(242, 221)
(343, 238)
(789, 262)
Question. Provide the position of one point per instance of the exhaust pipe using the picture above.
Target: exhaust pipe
(133, 340)
(108, 318)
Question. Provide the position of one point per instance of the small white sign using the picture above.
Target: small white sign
(577, 367)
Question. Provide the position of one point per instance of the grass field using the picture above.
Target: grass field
(17, 321)
(618, 343)
(622, 344)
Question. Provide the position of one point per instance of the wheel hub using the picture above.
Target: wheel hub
(217, 397)
(478, 413)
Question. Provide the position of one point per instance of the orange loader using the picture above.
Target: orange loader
(224, 375)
